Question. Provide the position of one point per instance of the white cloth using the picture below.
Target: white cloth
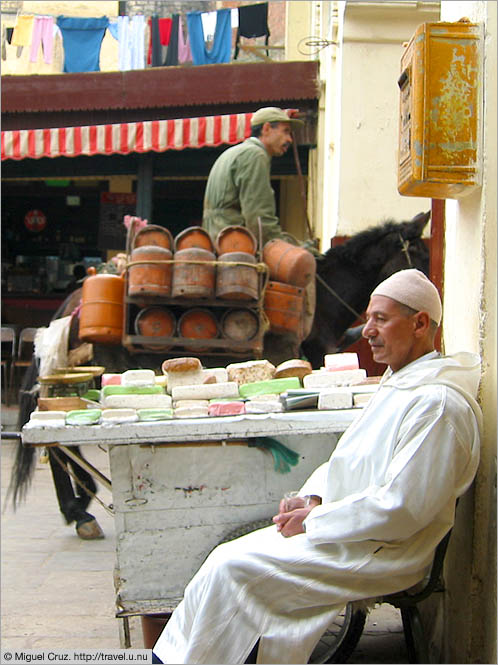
(131, 38)
(51, 345)
(209, 25)
(389, 491)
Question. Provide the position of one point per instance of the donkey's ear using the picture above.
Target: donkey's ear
(419, 222)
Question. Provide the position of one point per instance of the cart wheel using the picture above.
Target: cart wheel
(246, 528)
(339, 641)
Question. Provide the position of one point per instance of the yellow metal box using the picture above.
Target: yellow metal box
(439, 135)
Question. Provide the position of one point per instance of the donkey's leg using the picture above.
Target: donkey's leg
(73, 504)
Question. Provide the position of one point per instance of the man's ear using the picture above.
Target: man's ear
(422, 323)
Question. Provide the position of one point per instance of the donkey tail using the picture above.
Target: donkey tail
(25, 460)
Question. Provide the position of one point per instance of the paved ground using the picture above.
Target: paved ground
(57, 590)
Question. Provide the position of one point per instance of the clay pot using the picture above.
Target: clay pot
(154, 235)
(155, 322)
(150, 278)
(101, 316)
(193, 237)
(198, 323)
(236, 282)
(152, 627)
(236, 239)
(284, 305)
(289, 264)
(194, 280)
(239, 325)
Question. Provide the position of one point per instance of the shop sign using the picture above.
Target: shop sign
(35, 220)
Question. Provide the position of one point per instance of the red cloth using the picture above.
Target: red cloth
(164, 34)
(165, 30)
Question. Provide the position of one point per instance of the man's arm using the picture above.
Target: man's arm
(434, 463)
(256, 196)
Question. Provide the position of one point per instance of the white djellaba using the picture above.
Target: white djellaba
(389, 491)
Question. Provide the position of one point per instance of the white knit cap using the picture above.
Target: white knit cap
(413, 289)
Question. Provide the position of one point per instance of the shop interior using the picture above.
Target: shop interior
(52, 227)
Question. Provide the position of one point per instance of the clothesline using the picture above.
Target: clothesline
(166, 42)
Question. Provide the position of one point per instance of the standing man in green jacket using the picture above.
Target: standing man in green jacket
(238, 190)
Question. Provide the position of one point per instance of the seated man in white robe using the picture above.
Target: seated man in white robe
(376, 510)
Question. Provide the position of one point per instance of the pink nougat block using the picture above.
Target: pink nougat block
(336, 362)
(111, 379)
(226, 408)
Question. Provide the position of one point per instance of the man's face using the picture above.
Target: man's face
(276, 139)
(390, 333)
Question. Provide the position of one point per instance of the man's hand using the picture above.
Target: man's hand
(292, 513)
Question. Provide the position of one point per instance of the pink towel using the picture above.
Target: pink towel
(184, 53)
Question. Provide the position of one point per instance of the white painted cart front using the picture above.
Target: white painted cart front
(180, 486)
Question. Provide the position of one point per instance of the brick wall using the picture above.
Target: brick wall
(149, 7)
(11, 6)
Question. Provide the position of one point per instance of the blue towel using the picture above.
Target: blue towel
(222, 43)
(82, 39)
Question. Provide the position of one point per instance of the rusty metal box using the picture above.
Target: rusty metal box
(439, 130)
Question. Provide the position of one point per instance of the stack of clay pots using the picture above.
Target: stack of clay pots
(150, 275)
(291, 270)
(192, 268)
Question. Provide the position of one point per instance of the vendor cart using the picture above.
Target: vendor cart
(181, 486)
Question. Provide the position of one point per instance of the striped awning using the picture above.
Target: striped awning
(126, 137)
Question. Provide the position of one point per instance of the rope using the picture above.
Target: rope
(405, 247)
(336, 295)
(80, 484)
(259, 267)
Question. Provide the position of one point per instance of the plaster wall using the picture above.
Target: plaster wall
(365, 126)
(470, 323)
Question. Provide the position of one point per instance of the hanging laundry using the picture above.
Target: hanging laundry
(235, 17)
(113, 29)
(82, 39)
(222, 43)
(160, 31)
(4, 43)
(172, 53)
(184, 52)
(154, 53)
(165, 28)
(43, 33)
(23, 30)
(130, 36)
(137, 42)
(209, 25)
(253, 22)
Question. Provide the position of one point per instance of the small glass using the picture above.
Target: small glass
(292, 500)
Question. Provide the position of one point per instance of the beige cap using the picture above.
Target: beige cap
(272, 114)
(412, 288)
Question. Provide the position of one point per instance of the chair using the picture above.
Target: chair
(24, 355)
(8, 354)
(406, 602)
(339, 642)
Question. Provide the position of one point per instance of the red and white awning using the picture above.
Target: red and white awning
(126, 137)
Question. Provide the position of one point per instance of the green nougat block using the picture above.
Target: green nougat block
(83, 417)
(269, 387)
(132, 390)
(93, 394)
(155, 414)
